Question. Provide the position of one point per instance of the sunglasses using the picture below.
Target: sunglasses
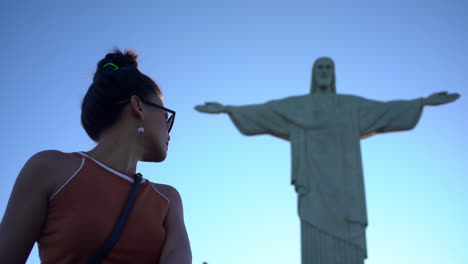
(169, 114)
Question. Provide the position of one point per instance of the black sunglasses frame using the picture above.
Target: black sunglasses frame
(170, 120)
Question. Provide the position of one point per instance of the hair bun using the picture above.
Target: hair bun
(128, 58)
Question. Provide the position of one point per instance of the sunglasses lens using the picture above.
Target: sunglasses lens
(170, 121)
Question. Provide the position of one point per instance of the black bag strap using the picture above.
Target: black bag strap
(106, 247)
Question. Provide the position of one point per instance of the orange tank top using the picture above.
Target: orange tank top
(85, 209)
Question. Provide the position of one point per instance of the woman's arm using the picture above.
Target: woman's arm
(176, 249)
(26, 210)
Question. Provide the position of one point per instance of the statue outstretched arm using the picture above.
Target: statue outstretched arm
(397, 115)
(251, 119)
(212, 108)
(379, 117)
(440, 98)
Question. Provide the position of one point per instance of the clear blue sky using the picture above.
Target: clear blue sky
(239, 206)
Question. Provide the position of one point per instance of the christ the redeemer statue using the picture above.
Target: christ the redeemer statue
(325, 129)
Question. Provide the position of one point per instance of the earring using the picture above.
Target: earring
(141, 130)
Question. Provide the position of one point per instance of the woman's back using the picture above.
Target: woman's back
(83, 211)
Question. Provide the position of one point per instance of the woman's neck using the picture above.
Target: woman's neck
(117, 153)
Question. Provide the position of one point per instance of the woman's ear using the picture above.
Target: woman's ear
(137, 107)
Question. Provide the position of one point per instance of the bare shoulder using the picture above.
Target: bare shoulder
(51, 157)
(167, 190)
(50, 169)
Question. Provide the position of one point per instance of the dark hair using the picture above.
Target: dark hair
(100, 108)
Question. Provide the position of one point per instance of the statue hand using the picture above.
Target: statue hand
(211, 107)
(440, 98)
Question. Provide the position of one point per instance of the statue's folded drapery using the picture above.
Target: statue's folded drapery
(325, 133)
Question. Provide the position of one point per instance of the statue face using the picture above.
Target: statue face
(323, 73)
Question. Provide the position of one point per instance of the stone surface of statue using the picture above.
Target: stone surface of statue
(324, 129)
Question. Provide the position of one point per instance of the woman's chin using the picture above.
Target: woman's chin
(155, 157)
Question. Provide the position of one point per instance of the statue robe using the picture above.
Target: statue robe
(325, 133)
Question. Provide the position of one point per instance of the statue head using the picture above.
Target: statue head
(323, 76)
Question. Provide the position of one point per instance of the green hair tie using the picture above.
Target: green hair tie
(111, 64)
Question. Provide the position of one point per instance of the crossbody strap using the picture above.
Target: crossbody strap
(102, 252)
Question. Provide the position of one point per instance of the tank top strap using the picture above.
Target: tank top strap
(77, 154)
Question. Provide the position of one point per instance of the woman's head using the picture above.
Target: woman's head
(120, 98)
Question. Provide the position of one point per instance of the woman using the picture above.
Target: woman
(70, 202)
